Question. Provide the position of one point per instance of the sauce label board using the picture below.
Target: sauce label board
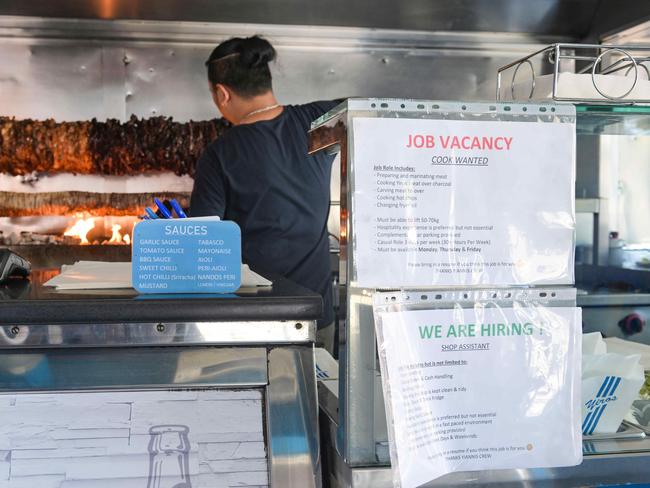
(196, 255)
(480, 389)
(462, 203)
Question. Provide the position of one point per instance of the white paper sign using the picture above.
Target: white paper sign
(447, 202)
(479, 389)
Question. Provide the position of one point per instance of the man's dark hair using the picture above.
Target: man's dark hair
(242, 64)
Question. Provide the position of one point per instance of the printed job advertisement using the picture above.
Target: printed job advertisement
(480, 389)
(448, 202)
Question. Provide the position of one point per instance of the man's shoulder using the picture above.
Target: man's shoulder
(226, 138)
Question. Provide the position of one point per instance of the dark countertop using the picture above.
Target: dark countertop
(23, 302)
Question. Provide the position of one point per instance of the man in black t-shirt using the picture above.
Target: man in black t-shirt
(259, 173)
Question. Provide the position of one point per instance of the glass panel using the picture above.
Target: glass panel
(613, 120)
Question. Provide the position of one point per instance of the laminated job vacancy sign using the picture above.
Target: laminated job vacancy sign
(480, 389)
(462, 203)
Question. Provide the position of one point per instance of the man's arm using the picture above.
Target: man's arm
(209, 192)
(324, 106)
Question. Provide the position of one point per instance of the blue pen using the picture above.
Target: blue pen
(163, 210)
(177, 208)
(150, 213)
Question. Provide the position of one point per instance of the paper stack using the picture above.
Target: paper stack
(97, 275)
(92, 275)
(610, 383)
(621, 346)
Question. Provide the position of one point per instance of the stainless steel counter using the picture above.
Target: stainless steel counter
(240, 366)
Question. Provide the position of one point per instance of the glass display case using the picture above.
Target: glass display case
(353, 426)
(613, 229)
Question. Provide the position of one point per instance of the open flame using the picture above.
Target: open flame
(117, 238)
(80, 229)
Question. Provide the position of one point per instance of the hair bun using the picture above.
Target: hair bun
(255, 52)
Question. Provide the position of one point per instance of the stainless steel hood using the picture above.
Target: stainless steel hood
(556, 19)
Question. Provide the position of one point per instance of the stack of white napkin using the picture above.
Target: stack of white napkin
(610, 383)
(96, 275)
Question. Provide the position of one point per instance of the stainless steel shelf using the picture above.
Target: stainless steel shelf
(613, 299)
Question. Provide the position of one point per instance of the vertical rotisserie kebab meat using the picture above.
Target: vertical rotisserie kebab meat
(104, 148)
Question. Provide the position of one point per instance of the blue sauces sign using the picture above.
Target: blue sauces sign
(198, 255)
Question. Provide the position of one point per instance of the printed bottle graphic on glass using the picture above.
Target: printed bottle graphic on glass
(169, 452)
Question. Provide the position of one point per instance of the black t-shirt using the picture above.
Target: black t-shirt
(260, 176)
